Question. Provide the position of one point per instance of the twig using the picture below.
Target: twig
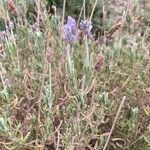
(142, 136)
(114, 122)
(125, 82)
(66, 92)
(58, 137)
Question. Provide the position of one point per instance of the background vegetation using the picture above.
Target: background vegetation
(51, 100)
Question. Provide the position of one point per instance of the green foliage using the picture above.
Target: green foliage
(66, 95)
(3, 125)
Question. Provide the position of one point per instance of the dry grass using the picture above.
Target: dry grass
(44, 104)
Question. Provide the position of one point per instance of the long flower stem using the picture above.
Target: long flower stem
(63, 14)
(93, 10)
(69, 60)
(80, 13)
(50, 102)
(87, 52)
(71, 70)
(50, 88)
(2, 77)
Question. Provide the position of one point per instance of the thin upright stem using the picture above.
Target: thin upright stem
(87, 51)
(84, 13)
(69, 59)
(38, 2)
(93, 10)
(63, 13)
(2, 76)
(80, 13)
(50, 88)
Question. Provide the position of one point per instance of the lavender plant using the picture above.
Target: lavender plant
(70, 30)
(70, 37)
(86, 27)
(60, 88)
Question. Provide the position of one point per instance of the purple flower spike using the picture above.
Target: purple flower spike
(70, 30)
(86, 27)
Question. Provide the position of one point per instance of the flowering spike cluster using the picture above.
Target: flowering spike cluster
(70, 30)
(86, 27)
